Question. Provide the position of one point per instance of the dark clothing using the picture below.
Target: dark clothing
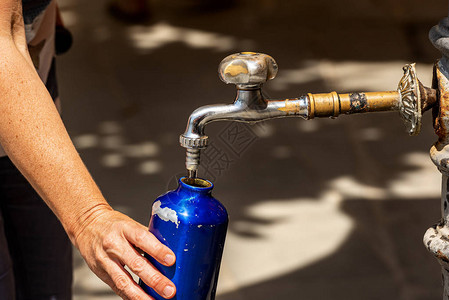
(35, 252)
(32, 8)
(52, 82)
(7, 290)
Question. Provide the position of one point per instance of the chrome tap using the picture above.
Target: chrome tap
(249, 71)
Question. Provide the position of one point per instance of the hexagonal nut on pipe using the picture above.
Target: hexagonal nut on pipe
(247, 69)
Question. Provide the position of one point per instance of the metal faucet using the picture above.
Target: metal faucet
(249, 71)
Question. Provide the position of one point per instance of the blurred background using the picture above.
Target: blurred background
(319, 209)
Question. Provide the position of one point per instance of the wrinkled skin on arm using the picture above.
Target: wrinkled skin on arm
(35, 139)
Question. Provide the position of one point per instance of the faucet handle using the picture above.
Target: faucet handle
(247, 69)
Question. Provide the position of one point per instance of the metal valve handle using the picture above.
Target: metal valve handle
(247, 69)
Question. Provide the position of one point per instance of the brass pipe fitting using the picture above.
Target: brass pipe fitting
(411, 99)
(333, 104)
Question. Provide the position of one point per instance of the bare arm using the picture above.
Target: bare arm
(36, 140)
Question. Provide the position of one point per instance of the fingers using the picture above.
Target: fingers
(122, 250)
(148, 273)
(141, 238)
(122, 283)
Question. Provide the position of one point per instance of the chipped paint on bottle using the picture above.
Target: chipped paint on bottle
(191, 222)
(165, 213)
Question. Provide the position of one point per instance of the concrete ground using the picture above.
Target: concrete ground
(320, 209)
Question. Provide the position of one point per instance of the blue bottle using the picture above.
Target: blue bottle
(193, 225)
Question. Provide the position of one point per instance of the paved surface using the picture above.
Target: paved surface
(319, 209)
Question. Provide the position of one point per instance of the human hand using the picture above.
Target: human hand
(107, 243)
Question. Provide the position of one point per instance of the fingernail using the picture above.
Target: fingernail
(169, 259)
(168, 291)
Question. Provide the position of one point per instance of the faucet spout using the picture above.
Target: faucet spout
(249, 106)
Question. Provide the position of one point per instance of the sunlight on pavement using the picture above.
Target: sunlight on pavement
(118, 152)
(150, 167)
(349, 75)
(148, 38)
(371, 134)
(110, 127)
(145, 149)
(85, 141)
(88, 285)
(424, 181)
(113, 160)
(296, 238)
(308, 126)
(303, 231)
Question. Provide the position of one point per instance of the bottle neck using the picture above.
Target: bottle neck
(195, 186)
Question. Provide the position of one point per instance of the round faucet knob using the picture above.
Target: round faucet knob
(247, 69)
